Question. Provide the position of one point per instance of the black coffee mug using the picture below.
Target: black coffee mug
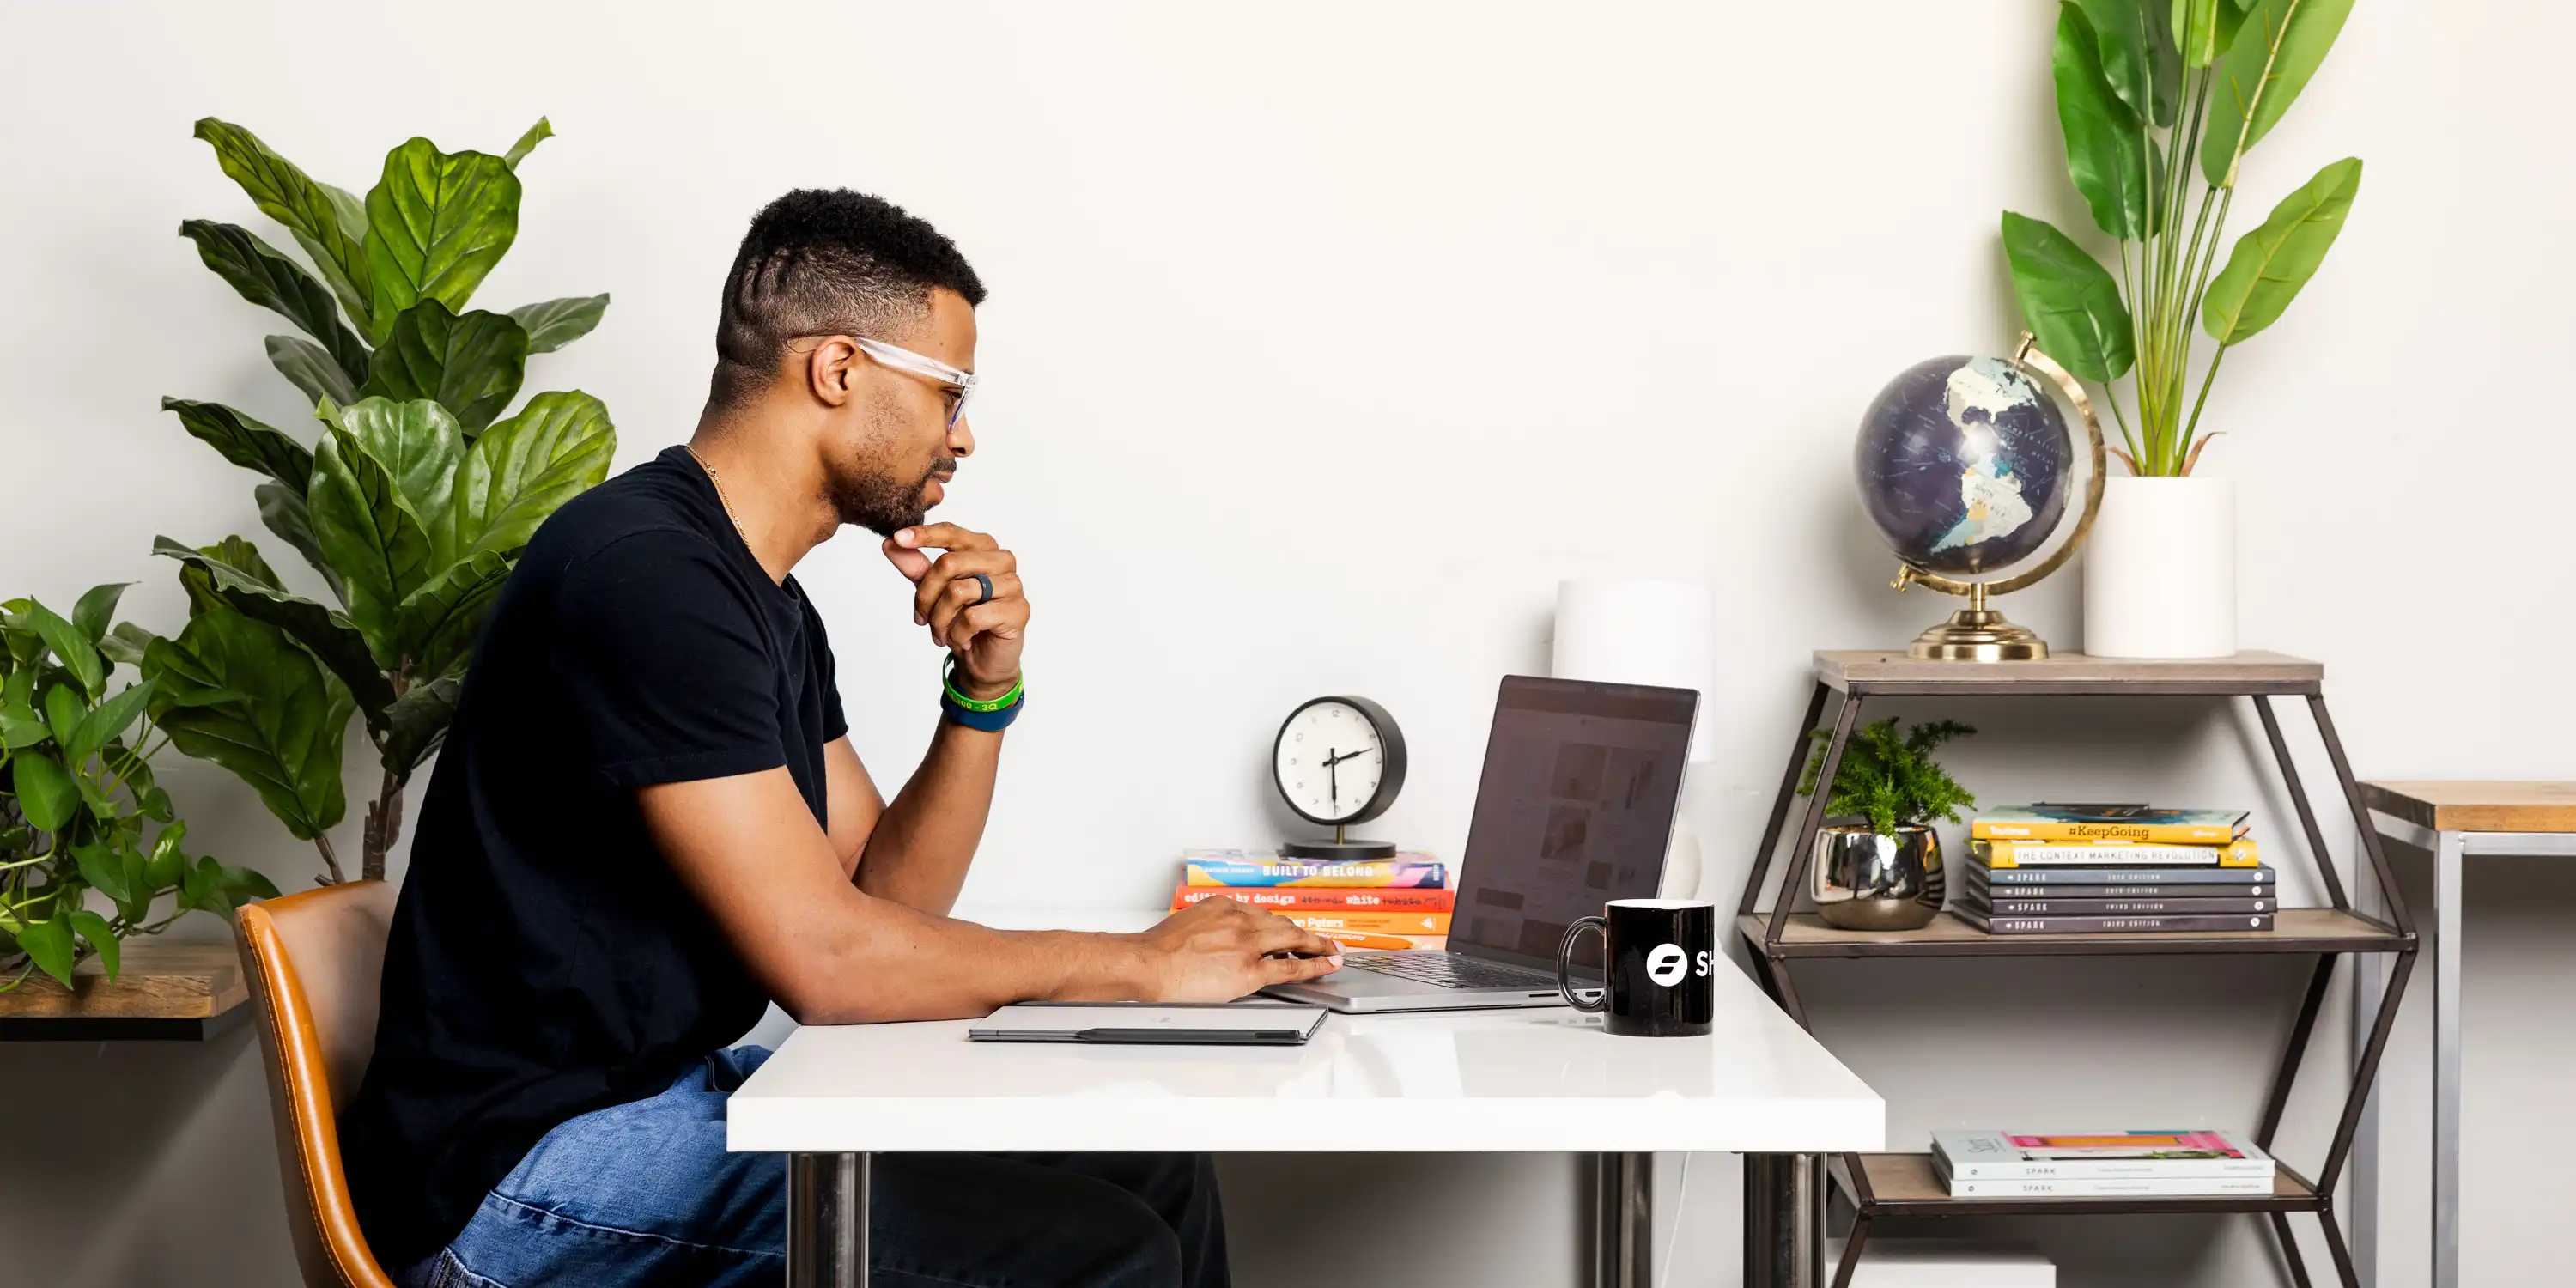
(1660, 953)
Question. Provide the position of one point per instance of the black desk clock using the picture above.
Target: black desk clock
(1338, 761)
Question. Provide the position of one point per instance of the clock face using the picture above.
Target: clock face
(1330, 761)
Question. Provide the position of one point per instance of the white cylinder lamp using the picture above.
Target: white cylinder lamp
(2160, 570)
(1648, 631)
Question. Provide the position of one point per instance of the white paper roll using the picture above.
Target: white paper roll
(1641, 632)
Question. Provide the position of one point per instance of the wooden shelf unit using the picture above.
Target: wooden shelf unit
(178, 992)
(1882, 1185)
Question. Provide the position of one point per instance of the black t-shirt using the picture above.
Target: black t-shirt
(545, 961)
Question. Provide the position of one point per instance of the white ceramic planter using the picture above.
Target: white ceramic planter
(2160, 569)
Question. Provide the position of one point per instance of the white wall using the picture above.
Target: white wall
(1324, 340)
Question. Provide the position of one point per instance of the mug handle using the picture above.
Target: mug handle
(1565, 960)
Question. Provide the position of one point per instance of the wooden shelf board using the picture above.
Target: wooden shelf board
(2298, 930)
(1877, 672)
(1906, 1185)
(2476, 806)
(165, 990)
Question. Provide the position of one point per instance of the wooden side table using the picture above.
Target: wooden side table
(165, 991)
(2451, 820)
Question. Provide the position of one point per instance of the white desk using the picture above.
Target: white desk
(1471, 1082)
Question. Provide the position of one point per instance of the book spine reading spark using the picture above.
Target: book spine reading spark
(1980, 874)
(2010, 906)
(2002, 925)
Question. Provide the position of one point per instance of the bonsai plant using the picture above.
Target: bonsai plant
(415, 499)
(2159, 104)
(1885, 872)
(79, 810)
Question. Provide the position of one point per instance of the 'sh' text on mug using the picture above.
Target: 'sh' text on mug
(1658, 954)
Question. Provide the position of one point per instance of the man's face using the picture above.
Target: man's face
(888, 456)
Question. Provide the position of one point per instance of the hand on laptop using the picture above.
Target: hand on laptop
(1218, 950)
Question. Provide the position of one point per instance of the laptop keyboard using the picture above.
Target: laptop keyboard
(1448, 970)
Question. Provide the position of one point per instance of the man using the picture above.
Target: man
(648, 823)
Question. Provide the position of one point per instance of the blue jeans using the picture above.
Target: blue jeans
(644, 1195)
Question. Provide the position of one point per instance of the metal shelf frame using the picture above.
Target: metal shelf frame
(1779, 935)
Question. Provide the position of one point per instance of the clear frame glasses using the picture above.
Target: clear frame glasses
(910, 363)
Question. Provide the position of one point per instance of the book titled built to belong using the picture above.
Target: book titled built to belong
(1211, 870)
(2108, 823)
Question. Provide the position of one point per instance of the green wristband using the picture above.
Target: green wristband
(948, 681)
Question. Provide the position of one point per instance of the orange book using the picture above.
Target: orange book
(1373, 923)
(1321, 898)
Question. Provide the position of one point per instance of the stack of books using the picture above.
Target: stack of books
(2113, 869)
(1403, 902)
(2186, 1164)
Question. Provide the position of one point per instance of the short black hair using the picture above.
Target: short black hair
(826, 261)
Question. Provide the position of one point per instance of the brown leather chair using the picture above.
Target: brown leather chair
(314, 961)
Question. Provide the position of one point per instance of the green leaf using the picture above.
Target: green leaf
(47, 795)
(308, 209)
(241, 885)
(436, 223)
(371, 534)
(440, 620)
(309, 369)
(537, 133)
(107, 722)
(124, 643)
(555, 323)
(2271, 60)
(2138, 56)
(246, 442)
(472, 364)
(49, 945)
(21, 727)
(2270, 264)
(2195, 30)
(419, 723)
(522, 469)
(70, 644)
(99, 866)
(2105, 147)
(168, 865)
(156, 805)
(284, 512)
(64, 712)
(278, 719)
(327, 635)
(2069, 302)
(101, 805)
(417, 442)
(272, 281)
(97, 607)
(102, 940)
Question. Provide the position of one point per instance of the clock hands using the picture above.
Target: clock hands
(1333, 759)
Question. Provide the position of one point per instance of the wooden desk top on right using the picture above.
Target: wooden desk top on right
(2474, 805)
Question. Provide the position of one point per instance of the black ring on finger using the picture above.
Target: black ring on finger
(987, 583)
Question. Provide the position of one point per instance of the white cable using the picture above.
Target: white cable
(1681, 1196)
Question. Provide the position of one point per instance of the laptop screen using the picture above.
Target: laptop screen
(1575, 809)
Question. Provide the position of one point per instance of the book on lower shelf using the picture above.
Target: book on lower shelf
(2185, 1163)
(2188, 923)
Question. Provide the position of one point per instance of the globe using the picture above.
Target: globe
(1962, 464)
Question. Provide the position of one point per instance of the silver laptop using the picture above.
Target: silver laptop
(1574, 810)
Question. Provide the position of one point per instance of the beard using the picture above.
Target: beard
(872, 499)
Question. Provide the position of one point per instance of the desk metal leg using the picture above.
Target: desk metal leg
(2369, 985)
(1623, 1220)
(1784, 1220)
(2447, 853)
(827, 1221)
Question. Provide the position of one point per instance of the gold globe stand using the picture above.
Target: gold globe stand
(1978, 633)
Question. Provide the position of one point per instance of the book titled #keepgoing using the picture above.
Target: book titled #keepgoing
(2108, 823)
(2014, 1156)
(2139, 854)
(2002, 925)
(2089, 878)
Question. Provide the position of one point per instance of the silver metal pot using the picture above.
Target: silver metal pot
(1865, 881)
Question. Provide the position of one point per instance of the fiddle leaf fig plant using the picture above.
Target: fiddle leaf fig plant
(411, 497)
(79, 810)
(1892, 781)
(2154, 99)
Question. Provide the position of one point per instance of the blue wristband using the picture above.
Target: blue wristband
(988, 721)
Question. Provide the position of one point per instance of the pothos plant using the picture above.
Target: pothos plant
(2157, 98)
(414, 499)
(1891, 781)
(79, 810)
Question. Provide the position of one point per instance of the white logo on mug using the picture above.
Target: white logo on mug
(1666, 963)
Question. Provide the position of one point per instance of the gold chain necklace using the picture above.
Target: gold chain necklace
(721, 498)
